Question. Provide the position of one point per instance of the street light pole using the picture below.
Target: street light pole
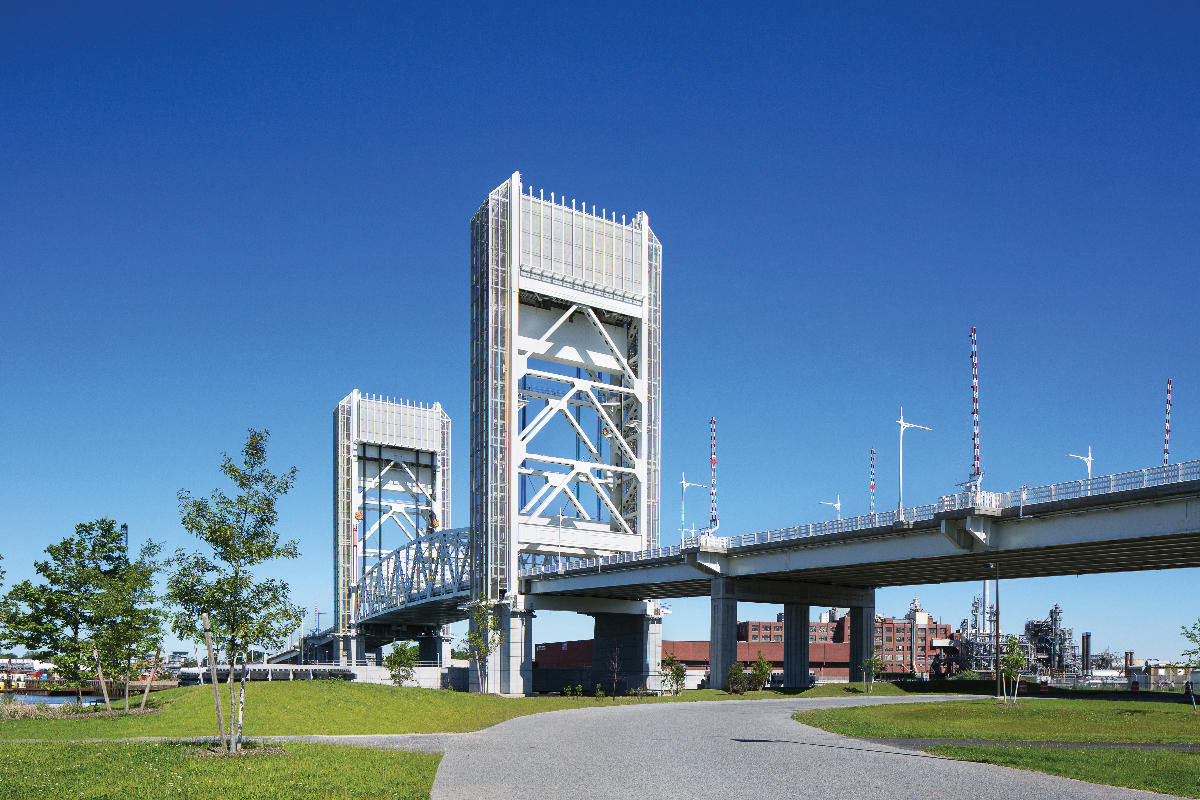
(837, 505)
(560, 519)
(1087, 460)
(683, 502)
(903, 426)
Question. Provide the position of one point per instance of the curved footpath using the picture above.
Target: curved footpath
(730, 749)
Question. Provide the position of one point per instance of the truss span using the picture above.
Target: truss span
(431, 570)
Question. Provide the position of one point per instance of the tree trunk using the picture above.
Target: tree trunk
(100, 677)
(212, 667)
(233, 743)
(153, 673)
(241, 701)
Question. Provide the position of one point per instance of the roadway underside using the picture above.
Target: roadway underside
(438, 611)
(1160, 552)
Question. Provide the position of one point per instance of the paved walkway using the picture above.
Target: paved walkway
(730, 749)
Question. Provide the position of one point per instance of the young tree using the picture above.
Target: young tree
(58, 615)
(1191, 635)
(1011, 663)
(239, 535)
(401, 662)
(735, 679)
(872, 666)
(760, 673)
(128, 619)
(674, 675)
(483, 637)
(614, 669)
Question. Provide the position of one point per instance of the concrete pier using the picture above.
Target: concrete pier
(862, 636)
(795, 645)
(722, 650)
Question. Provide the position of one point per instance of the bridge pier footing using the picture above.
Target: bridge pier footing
(515, 667)
(636, 641)
(795, 645)
(722, 631)
(862, 636)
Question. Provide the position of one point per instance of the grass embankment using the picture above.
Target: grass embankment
(281, 708)
(122, 770)
(878, 689)
(1063, 720)
(1153, 770)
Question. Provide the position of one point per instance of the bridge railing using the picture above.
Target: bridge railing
(1026, 495)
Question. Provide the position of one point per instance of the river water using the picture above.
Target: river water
(52, 701)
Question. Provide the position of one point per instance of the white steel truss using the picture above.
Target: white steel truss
(566, 343)
(431, 566)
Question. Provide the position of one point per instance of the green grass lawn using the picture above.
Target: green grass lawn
(1078, 720)
(125, 770)
(283, 708)
(1156, 771)
(878, 689)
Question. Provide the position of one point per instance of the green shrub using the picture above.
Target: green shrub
(736, 681)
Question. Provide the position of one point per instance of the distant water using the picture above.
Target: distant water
(52, 701)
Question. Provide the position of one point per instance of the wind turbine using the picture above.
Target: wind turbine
(904, 426)
(1085, 459)
(837, 505)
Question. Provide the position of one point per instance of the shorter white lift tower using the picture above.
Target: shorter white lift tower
(391, 468)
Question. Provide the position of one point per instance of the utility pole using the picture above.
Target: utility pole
(872, 480)
(1167, 433)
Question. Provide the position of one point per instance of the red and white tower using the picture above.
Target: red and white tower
(1167, 433)
(872, 480)
(714, 521)
(976, 469)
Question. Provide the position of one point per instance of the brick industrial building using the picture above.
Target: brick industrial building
(913, 644)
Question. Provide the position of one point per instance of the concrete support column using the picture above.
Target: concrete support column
(516, 651)
(636, 642)
(862, 636)
(795, 646)
(429, 648)
(722, 648)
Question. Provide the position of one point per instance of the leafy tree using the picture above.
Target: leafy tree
(401, 662)
(872, 667)
(735, 679)
(483, 637)
(58, 615)
(129, 621)
(1191, 635)
(461, 653)
(239, 535)
(760, 673)
(674, 675)
(1012, 661)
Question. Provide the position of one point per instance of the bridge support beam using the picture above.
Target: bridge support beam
(795, 645)
(636, 641)
(433, 647)
(862, 636)
(722, 649)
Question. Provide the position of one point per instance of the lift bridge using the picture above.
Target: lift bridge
(565, 487)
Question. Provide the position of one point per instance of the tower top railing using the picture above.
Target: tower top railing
(970, 499)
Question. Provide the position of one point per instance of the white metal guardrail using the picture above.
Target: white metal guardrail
(1026, 495)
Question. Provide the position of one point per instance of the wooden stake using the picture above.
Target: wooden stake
(212, 667)
(153, 673)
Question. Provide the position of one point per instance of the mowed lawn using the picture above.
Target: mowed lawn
(77, 771)
(1068, 720)
(1153, 770)
(282, 708)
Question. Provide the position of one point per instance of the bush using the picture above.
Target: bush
(735, 681)
(599, 692)
(579, 690)
(760, 673)
(965, 675)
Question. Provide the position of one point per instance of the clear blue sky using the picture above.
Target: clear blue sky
(225, 217)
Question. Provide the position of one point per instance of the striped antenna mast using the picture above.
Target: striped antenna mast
(976, 470)
(872, 480)
(1167, 433)
(714, 520)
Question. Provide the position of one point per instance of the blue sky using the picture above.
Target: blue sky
(217, 218)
